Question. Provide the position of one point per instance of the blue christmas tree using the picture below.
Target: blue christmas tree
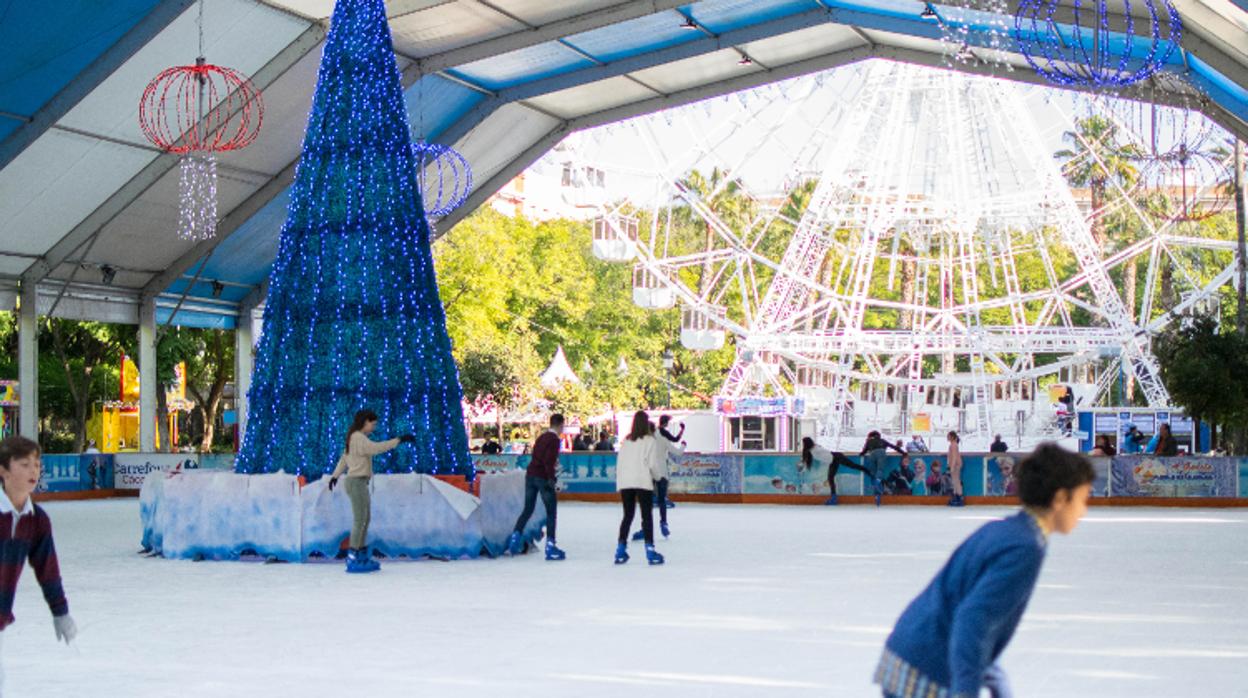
(353, 319)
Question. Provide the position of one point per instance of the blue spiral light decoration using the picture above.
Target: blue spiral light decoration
(1096, 48)
(445, 177)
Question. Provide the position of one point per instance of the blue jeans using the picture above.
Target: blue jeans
(660, 496)
(533, 486)
(874, 461)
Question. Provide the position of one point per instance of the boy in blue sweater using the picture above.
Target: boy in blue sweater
(947, 641)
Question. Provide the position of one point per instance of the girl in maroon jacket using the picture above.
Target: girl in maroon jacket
(26, 532)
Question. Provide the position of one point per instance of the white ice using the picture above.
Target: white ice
(754, 601)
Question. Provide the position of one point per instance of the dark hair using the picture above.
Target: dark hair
(641, 426)
(1050, 468)
(357, 423)
(873, 433)
(556, 420)
(953, 436)
(808, 447)
(664, 420)
(16, 447)
(1166, 425)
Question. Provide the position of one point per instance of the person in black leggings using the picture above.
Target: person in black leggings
(835, 459)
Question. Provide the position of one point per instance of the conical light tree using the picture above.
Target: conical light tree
(353, 320)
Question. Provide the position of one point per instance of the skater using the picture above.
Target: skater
(1166, 443)
(357, 462)
(668, 444)
(948, 640)
(901, 480)
(540, 479)
(998, 446)
(637, 467)
(873, 453)
(1133, 441)
(917, 445)
(812, 454)
(30, 536)
(954, 460)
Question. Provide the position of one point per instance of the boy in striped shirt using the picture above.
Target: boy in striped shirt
(26, 532)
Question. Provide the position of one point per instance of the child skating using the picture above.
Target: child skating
(539, 479)
(357, 462)
(949, 638)
(26, 533)
(874, 451)
(637, 467)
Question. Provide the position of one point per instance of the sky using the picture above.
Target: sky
(773, 135)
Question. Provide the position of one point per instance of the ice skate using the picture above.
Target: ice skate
(664, 529)
(652, 556)
(639, 535)
(515, 545)
(830, 501)
(621, 554)
(553, 552)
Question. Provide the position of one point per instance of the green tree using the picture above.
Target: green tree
(1206, 372)
(76, 373)
(209, 358)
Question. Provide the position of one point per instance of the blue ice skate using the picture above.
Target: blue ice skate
(665, 530)
(553, 552)
(652, 556)
(515, 545)
(639, 535)
(830, 501)
(358, 562)
(621, 554)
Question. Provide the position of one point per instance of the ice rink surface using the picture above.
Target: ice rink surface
(754, 601)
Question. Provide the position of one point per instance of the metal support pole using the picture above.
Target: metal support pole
(1241, 228)
(244, 362)
(28, 361)
(147, 376)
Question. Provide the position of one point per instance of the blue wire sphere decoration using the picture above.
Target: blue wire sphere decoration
(1090, 46)
(444, 175)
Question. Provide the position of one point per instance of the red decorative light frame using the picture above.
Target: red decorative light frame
(170, 110)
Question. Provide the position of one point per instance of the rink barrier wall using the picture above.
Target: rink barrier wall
(726, 477)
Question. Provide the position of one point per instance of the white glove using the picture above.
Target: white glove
(65, 628)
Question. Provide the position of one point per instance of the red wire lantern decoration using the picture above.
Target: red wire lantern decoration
(197, 111)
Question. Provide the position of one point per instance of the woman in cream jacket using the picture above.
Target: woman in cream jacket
(640, 462)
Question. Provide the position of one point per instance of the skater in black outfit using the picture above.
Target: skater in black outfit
(873, 453)
(812, 454)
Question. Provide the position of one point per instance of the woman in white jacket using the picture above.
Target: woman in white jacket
(640, 462)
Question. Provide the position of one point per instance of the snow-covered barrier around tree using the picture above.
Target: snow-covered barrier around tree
(223, 516)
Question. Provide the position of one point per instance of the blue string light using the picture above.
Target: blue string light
(445, 177)
(1100, 54)
(353, 319)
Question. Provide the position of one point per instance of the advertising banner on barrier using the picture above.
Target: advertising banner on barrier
(72, 472)
(769, 474)
(705, 473)
(586, 471)
(1150, 476)
(130, 469)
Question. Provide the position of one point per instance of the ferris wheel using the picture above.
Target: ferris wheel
(920, 246)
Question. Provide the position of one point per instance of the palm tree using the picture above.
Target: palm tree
(1098, 160)
(727, 198)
